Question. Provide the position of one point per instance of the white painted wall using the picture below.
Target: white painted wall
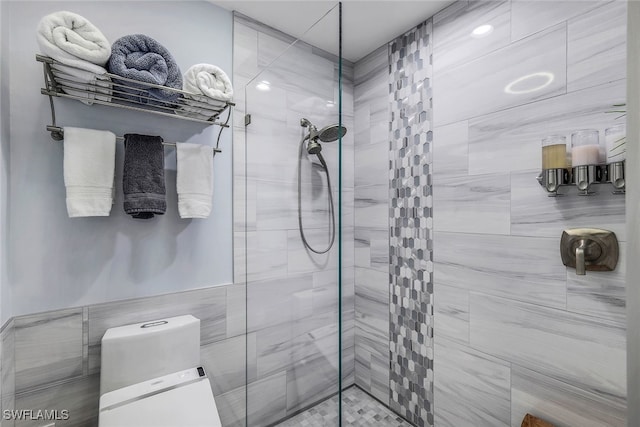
(633, 214)
(56, 262)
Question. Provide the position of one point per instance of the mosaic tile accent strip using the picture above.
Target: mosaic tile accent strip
(411, 226)
(358, 408)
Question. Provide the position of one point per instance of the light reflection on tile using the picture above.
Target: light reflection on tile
(479, 87)
(453, 42)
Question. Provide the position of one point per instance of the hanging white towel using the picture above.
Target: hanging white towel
(194, 180)
(89, 169)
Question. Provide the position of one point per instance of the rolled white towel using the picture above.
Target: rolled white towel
(194, 180)
(81, 51)
(210, 88)
(89, 168)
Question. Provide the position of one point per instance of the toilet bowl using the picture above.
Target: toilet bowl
(151, 376)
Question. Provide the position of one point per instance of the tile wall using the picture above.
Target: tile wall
(372, 223)
(292, 297)
(411, 226)
(515, 331)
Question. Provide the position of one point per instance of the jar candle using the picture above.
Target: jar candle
(615, 138)
(554, 152)
(585, 148)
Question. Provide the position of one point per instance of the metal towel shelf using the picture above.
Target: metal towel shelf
(127, 94)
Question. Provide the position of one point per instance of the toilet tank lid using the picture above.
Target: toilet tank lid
(153, 326)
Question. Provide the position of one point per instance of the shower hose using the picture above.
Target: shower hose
(331, 208)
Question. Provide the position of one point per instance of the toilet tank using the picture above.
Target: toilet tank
(143, 351)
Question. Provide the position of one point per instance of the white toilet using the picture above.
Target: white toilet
(151, 376)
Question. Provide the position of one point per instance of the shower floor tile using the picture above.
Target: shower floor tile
(359, 409)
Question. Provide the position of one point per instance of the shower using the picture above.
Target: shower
(329, 133)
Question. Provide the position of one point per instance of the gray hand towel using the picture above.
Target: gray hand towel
(143, 176)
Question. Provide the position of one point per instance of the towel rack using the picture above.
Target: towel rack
(60, 131)
(127, 94)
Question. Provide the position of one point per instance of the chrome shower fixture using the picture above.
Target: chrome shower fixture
(326, 134)
(329, 133)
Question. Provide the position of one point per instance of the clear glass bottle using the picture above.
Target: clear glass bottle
(585, 148)
(615, 138)
(554, 152)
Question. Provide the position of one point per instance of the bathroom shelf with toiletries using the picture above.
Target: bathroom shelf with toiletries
(582, 164)
(63, 81)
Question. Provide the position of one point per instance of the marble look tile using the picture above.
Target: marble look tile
(310, 380)
(470, 387)
(207, 304)
(274, 350)
(372, 165)
(372, 303)
(267, 400)
(560, 403)
(272, 151)
(372, 78)
(478, 87)
(277, 204)
(8, 370)
(372, 206)
(294, 67)
(239, 257)
(236, 310)
(315, 335)
(245, 195)
(325, 292)
(48, 348)
(274, 302)
(348, 367)
(301, 260)
(245, 50)
(319, 111)
(584, 351)
(373, 65)
(80, 397)
(453, 42)
(528, 17)
(478, 204)
(451, 307)
(451, 149)
(225, 364)
(232, 407)
(521, 268)
(516, 133)
(265, 107)
(597, 49)
(264, 252)
(599, 293)
(372, 248)
(372, 365)
(535, 214)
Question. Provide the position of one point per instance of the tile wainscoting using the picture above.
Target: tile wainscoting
(51, 360)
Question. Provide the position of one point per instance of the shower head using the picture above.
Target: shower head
(326, 134)
(314, 147)
(331, 133)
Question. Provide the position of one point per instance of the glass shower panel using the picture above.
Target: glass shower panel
(291, 235)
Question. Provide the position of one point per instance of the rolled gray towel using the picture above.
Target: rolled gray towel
(139, 57)
(143, 176)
